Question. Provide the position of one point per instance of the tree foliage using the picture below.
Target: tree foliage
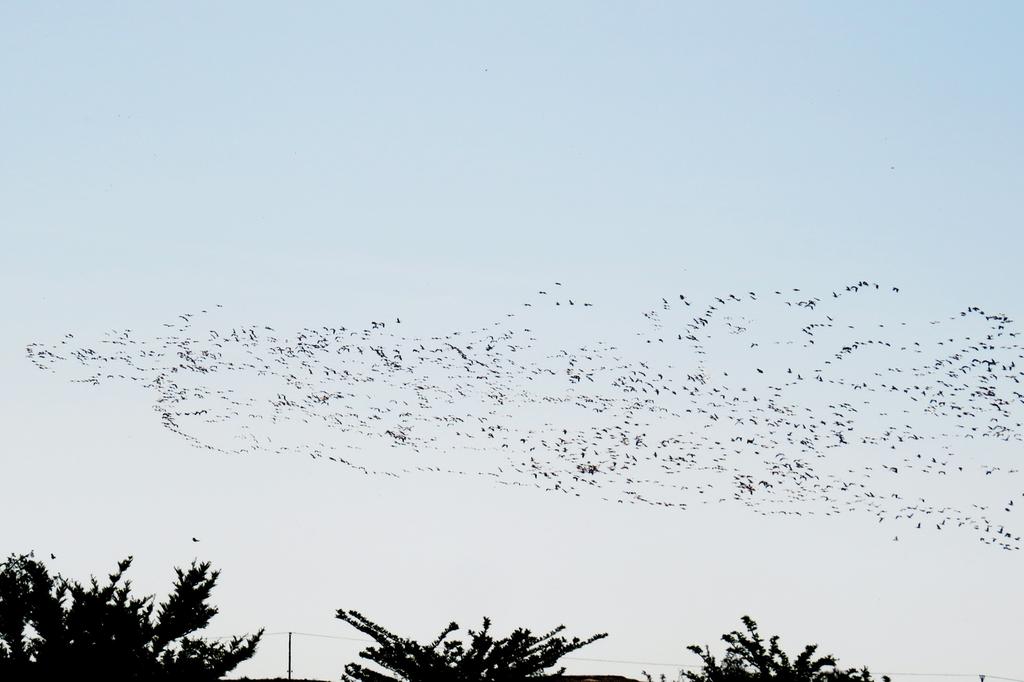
(55, 628)
(520, 656)
(748, 658)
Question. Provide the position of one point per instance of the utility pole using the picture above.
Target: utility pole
(290, 658)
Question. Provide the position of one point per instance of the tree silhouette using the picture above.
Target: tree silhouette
(53, 628)
(520, 656)
(747, 659)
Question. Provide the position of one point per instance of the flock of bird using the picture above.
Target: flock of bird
(788, 403)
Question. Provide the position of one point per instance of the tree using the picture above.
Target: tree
(54, 628)
(520, 656)
(747, 659)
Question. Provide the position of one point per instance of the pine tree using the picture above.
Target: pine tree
(54, 628)
(520, 656)
(748, 659)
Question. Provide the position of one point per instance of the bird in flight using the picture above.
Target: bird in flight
(787, 404)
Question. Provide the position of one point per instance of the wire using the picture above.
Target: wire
(317, 634)
(937, 674)
(611, 660)
(652, 663)
(987, 677)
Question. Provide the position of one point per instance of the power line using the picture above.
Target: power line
(314, 634)
(906, 674)
(987, 677)
(631, 662)
(611, 660)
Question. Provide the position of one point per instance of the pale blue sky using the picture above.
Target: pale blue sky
(323, 161)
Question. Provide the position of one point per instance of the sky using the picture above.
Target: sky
(329, 162)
